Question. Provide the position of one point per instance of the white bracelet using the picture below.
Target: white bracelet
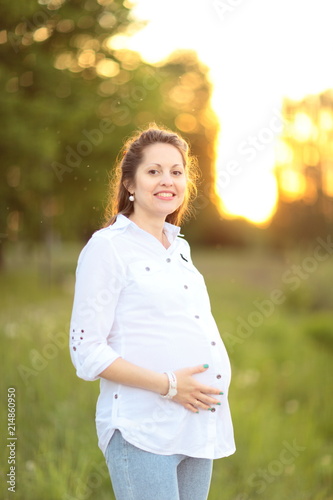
(172, 386)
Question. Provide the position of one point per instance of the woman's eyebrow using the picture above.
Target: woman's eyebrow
(175, 165)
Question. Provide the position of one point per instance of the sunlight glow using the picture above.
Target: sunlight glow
(328, 179)
(283, 153)
(107, 68)
(251, 74)
(292, 184)
(325, 120)
(41, 34)
(303, 128)
(252, 201)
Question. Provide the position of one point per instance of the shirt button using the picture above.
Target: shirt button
(116, 396)
(186, 287)
(213, 409)
(147, 268)
(168, 260)
(218, 376)
(196, 316)
(213, 343)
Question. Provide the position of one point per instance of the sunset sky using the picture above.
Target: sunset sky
(257, 53)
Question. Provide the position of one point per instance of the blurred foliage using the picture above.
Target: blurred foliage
(304, 171)
(281, 388)
(319, 328)
(71, 96)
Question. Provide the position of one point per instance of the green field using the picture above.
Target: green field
(277, 323)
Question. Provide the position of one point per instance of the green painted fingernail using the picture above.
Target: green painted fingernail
(218, 403)
(206, 366)
(221, 393)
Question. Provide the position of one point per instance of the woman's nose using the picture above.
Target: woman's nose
(166, 180)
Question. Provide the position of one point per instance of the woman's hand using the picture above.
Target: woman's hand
(191, 393)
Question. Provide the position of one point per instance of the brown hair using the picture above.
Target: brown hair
(131, 156)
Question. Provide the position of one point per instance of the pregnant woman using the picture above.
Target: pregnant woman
(142, 325)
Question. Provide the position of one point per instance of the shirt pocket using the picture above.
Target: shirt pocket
(143, 268)
(144, 276)
(146, 297)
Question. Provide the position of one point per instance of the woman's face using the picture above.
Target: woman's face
(160, 181)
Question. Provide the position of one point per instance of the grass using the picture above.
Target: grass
(280, 397)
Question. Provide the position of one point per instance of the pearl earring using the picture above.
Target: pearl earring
(131, 197)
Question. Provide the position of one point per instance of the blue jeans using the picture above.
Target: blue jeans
(139, 475)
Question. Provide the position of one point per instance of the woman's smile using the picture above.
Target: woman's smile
(165, 195)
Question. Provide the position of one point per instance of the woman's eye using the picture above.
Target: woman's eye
(154, 171)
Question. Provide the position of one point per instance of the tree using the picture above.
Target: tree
(71, 97)
(55, 57)
(305, 171)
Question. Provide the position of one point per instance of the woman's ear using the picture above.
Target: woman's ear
(128, 186)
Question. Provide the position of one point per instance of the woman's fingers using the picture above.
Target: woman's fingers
(206, 403)
(198, 405)
(203, 388)
(191, 408)
(207, 389)
(201, 405)
(192, 394)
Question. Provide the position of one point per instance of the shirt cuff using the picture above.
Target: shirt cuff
(102, 357)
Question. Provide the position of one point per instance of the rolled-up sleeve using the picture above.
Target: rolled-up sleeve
(100, 278)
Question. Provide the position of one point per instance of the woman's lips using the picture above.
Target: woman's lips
(164, 195)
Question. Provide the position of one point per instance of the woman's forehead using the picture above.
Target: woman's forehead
(161, 154)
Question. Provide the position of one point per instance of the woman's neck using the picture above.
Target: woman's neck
(154, 226)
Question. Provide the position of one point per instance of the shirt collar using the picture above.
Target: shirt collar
(122, 221)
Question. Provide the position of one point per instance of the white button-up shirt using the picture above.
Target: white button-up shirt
(137, 300)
